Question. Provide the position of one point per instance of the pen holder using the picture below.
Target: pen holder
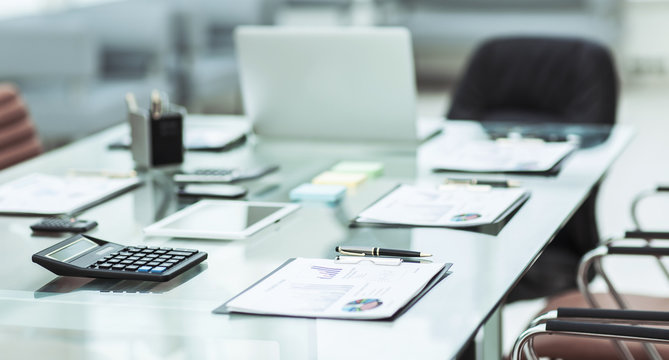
(167, 145)
(156, 139)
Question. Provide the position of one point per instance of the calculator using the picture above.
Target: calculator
(85, 256)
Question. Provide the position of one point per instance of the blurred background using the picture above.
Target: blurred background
(74, 60)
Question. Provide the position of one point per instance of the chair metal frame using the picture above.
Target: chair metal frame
(617, 325)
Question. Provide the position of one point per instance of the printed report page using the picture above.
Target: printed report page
(326, 288)
(510, 155)
(456, 207)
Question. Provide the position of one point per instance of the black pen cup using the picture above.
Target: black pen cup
(166, 132)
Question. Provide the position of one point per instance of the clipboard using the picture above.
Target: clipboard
(433, 281)
(467, 219)
(515, 156)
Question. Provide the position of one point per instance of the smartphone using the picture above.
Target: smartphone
(63, 225)
(213, 190)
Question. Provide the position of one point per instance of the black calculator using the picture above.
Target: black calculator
(86, 256)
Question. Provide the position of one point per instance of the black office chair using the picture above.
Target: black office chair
(538, 79)
(543, 80)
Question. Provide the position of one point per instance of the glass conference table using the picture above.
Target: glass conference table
(42, 314)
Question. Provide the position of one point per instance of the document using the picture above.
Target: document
(42, 194)
(452, 206)
(524, 155)
(325, 288)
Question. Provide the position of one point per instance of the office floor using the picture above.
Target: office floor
(644, 105)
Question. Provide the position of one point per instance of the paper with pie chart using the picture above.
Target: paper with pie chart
(451, 206)
(326, 288)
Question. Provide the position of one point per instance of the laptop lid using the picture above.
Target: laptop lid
(328, 83)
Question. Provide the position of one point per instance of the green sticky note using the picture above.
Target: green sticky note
(370, 168)
(350, 180)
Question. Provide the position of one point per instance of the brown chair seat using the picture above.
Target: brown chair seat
(578, 347)
(18, 137)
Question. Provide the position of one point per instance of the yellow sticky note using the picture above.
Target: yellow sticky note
(349, 180)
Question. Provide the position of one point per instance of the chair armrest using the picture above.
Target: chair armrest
(613, 314)
(589, 329)
(593, 259)
(658, 190)
(638, 234)
(638, 250)
(628, 332)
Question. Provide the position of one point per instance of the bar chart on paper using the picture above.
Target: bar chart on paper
(322, 288)
(325, 272)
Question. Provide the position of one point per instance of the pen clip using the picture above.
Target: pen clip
(350, 253)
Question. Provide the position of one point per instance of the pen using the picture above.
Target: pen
(493, 183)
(131, 102)
(156, 105)
(374, 251)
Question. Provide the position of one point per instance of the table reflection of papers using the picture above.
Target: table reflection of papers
(456, 206)
(326, 288)
(501, 156)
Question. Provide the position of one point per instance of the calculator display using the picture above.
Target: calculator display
(72, 250)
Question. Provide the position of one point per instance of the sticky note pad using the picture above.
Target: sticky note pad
(318, 192)
(370, 168)
(349, 180)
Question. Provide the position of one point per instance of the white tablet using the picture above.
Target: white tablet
(220, 219)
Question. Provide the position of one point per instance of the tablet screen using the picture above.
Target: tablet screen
(214, 217)
(220, 219)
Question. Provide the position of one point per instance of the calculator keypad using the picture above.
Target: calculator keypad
(143, 259)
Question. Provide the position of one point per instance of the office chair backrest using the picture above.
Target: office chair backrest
(18, 138)
(538, 79)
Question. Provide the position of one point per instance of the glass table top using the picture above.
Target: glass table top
(80, 318)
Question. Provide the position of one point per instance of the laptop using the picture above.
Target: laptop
(344, 83)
